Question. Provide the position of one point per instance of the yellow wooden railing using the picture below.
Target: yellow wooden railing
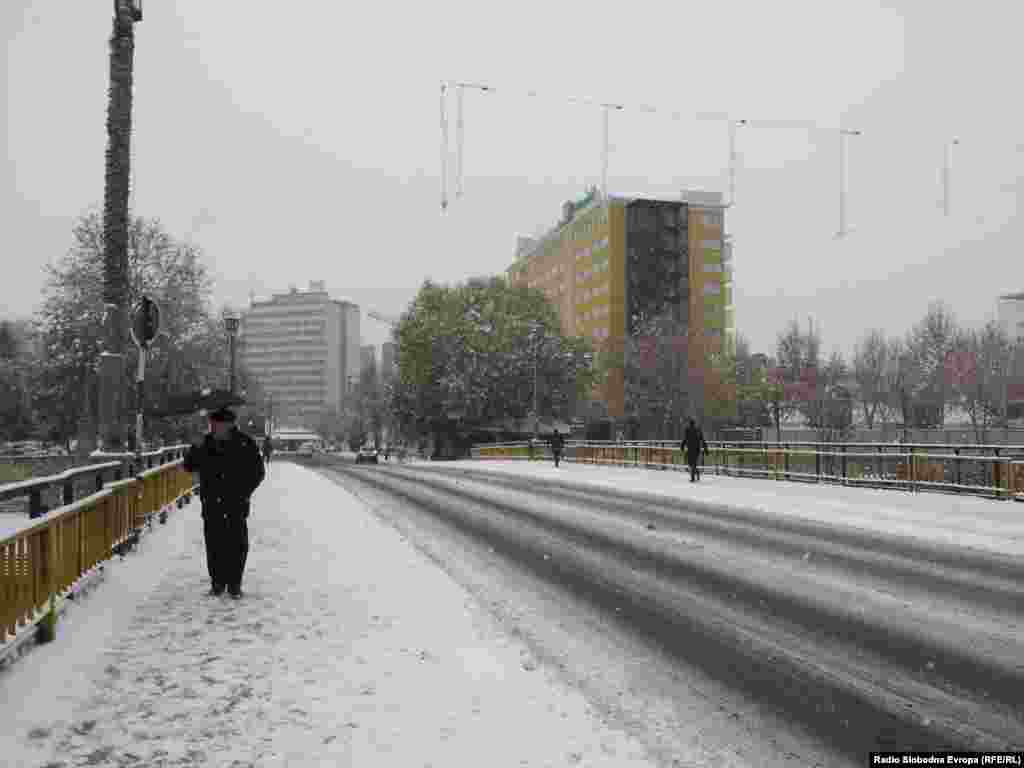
(40, 563)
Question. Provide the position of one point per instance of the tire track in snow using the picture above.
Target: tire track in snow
(853, 701)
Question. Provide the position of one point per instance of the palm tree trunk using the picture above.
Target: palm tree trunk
(115, 225)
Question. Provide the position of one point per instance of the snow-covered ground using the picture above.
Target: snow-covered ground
(985, 524)
(11, 522)
(349, 648)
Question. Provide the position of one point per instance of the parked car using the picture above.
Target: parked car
(367, 454)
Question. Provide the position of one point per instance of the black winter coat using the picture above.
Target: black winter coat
(557, 443)
(693, 443)
(229, 472)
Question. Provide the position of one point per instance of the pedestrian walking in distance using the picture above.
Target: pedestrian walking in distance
(693, 443)
(230, 468)
(557, 446)
(268, 449)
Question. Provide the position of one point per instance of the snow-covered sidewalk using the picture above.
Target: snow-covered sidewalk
(985, 524)
(348, 648)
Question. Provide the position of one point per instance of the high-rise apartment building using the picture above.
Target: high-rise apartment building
(350, 335)
(388, 359)
(297, 345)
(368, 357)
(1010, 314)
(611, 264)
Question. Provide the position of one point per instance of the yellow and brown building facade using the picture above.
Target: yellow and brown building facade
(610, 263)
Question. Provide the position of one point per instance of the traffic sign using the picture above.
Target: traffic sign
(145, 322)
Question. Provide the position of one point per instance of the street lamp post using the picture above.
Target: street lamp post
(231, 326)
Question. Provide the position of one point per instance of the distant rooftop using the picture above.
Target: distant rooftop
(527, 246)
(316, 288)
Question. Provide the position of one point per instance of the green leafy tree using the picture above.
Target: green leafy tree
(468, 353)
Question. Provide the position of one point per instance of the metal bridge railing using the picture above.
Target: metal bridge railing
(40, 563)
(996, 471)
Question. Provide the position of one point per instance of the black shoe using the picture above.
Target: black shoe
(235, 592)
(216, 589)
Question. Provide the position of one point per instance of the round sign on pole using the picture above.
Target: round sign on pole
(145, 322)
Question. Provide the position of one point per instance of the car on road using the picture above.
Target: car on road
(306, 449)
(367, 455)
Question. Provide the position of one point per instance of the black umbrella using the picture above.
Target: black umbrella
(193, 402)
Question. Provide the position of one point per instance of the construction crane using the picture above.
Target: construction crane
(381, 318)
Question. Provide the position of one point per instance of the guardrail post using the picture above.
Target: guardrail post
(912, 470)
(878, 463)
(843, 459)
(785, 460)
(997, 474)
(956, 463)
(69, 491)
(99, 480)
(817, 462)
(49, 580)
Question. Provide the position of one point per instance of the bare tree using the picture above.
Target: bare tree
(796, 377)
(827, 404)
(667, 373)
(929, 344)
(871, 359)
(797, 351)
(978, 374)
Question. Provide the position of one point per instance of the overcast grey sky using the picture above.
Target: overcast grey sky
(300, 141)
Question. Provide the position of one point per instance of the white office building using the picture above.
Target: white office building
(302, 346)
(1010, 312)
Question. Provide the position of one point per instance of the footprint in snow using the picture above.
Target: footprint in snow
(84, 727)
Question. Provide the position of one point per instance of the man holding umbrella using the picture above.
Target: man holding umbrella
(230, 468)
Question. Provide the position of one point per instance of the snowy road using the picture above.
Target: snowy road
(860, 640)
(349, 648)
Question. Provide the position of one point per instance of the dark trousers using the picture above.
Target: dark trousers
(558, 456)
(227, 548)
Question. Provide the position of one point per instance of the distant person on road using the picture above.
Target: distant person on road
(230, 468)
(557, 446)
(693, 443)
(268, 449)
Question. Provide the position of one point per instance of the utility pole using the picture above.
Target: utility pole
(117, 188)
(231, 323)
(843, 135)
